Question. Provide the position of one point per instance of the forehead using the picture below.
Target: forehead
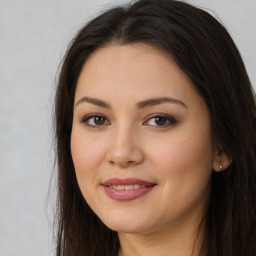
(134, 71)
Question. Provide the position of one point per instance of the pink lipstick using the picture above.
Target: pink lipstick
(127, 189)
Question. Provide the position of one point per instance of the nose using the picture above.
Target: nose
(125, 149)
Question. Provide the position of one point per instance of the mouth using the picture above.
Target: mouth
(127, 189)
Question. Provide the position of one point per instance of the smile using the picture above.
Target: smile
(127, 189)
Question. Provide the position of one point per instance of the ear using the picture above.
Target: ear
(221, 161)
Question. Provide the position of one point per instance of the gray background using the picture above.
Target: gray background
(33, 38)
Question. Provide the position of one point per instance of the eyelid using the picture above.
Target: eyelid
(169, 118)
(85, 118)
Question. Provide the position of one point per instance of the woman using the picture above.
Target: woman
(155, 122)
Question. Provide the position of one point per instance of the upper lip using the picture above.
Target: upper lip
(127, 181)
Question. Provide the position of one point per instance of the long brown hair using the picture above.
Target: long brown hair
(204, 50)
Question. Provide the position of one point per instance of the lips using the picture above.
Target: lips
(127, 189)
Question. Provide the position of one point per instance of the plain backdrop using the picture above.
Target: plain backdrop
(33, 38)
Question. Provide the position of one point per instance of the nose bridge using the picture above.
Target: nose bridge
(123, 139)
(124, 148)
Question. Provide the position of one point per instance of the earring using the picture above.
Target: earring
(220, 167)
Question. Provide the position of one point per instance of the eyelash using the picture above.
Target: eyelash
(169, 119)
(87, 118)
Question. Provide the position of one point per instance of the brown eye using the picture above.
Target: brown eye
(95, 120)
(161, 120)
(99, 120)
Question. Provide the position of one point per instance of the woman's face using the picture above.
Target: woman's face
(141, 140)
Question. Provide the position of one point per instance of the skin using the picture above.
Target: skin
(128, 142)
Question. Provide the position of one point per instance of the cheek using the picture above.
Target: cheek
(184, 168)
(87, 155)
(86, 149)
(184, 161)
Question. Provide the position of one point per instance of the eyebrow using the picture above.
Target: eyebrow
(156, 101)
(94, 101)
(140, 105)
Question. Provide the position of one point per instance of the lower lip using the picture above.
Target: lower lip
(127, 195)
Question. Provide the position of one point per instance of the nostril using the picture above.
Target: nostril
(124, 155)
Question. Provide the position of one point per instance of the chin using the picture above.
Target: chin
(131, 225)
(127, 228)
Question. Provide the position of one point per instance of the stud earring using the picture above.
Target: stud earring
(221, 167)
